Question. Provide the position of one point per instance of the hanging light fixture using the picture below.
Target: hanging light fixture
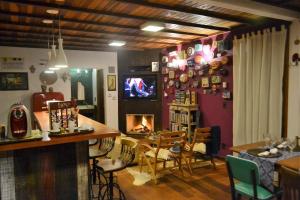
(52, 53)
(61, 59)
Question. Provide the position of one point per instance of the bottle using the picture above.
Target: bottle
(2, 132)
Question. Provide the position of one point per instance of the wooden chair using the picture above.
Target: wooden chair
(104, 166)
(197, 148)
(161, 152)
(290, 183)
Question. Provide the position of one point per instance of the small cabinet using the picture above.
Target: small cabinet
(184, 117)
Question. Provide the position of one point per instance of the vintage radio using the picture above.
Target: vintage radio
(19, 122)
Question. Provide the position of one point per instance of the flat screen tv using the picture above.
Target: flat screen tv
(140, 87)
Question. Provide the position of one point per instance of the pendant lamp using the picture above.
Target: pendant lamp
(61, 59)
(52, 54)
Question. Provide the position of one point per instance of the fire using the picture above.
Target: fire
(144, 121)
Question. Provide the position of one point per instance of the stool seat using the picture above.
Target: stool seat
(95, 153)
(111, 165)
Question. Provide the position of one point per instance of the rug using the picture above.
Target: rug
(139, 178)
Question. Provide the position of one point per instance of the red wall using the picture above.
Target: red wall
(213, 108)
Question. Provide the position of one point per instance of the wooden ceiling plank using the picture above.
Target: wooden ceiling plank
(191, 10)
(91, 31)
(113, 14)
(66, 41)
(81, 36)
(80, 47)
(94, 23)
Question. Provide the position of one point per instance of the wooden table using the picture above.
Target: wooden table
(56, 169)
(292, 163)
(245, 147)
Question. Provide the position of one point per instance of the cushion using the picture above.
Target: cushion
(247, 189)
(200, 147)
(162, 154)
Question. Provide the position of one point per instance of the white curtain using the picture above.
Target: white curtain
(258, 62)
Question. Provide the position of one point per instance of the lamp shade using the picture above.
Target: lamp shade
(52, 56)
(61, 59)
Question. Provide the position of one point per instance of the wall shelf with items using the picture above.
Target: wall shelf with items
(184, 117)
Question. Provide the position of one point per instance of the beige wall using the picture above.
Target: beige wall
(76, 59)
(294, 84)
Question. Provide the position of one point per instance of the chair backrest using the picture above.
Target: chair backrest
(127, 151)
(107, 144)
(290, 182)
(201, 135)
(169, 139)
(242, 169)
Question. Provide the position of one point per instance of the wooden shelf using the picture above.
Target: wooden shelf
(42, 120)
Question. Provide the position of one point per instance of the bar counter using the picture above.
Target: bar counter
(56, 169)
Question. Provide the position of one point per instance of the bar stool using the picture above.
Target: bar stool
(104, 166)
(105, 146)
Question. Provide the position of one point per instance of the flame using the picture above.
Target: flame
(144, 121)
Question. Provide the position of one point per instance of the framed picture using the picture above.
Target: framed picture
(111, 82)
(216, 79)
(13, 81)
(171, 74)
(205, 82)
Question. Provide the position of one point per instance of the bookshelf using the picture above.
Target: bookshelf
(183, 117)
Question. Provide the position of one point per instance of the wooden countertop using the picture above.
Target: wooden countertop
(245, 147)
(100, 131)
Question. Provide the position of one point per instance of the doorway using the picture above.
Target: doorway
(100, 96)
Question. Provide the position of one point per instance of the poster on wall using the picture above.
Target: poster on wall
(13, 81)
(111, 82)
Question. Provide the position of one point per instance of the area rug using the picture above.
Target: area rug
(140, 178)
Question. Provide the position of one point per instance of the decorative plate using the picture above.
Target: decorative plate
(183, 78)
(190, 51)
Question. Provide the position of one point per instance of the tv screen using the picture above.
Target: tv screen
(142, 86)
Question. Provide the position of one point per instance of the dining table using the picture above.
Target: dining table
(269, 165)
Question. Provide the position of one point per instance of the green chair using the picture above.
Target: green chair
(245, 181)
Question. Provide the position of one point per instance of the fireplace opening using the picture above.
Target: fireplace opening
(139, 123)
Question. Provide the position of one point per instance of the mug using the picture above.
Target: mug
(71, 126)
(56, 126)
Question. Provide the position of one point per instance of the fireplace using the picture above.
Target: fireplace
(139, 123)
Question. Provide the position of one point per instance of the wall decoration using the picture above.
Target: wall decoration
(32, 69)
(111, 82)
(224, 60)
(183, 78)
(13, 81)
(48, 78)
(198, 47)
(177, 84)
(165, 79)
(154, 66)
(215, 64)
(223, 71)
(226, 94)
(171, 83)
(164, 70)
(205, 82)
(65, 76)
(224, 85)
(190, 51)
(11, 62)
(165, 59)
(171, 74)
(216, 79)
(195, 84)
(211, 71)
(191, 73)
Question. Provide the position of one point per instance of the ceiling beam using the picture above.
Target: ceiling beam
(192, 10)
(101, 38)
(66, 40)
(93, 23)
(255, 8)
(32, 43)
(36, 25)
(113, 14)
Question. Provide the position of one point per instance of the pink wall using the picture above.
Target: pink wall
(213, 108)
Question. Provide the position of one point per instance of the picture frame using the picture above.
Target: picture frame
(205, 82)
(13, 81)
(111, 82)
(216, 79)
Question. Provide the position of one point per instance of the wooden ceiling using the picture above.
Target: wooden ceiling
(92, 24)
(288, 4)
